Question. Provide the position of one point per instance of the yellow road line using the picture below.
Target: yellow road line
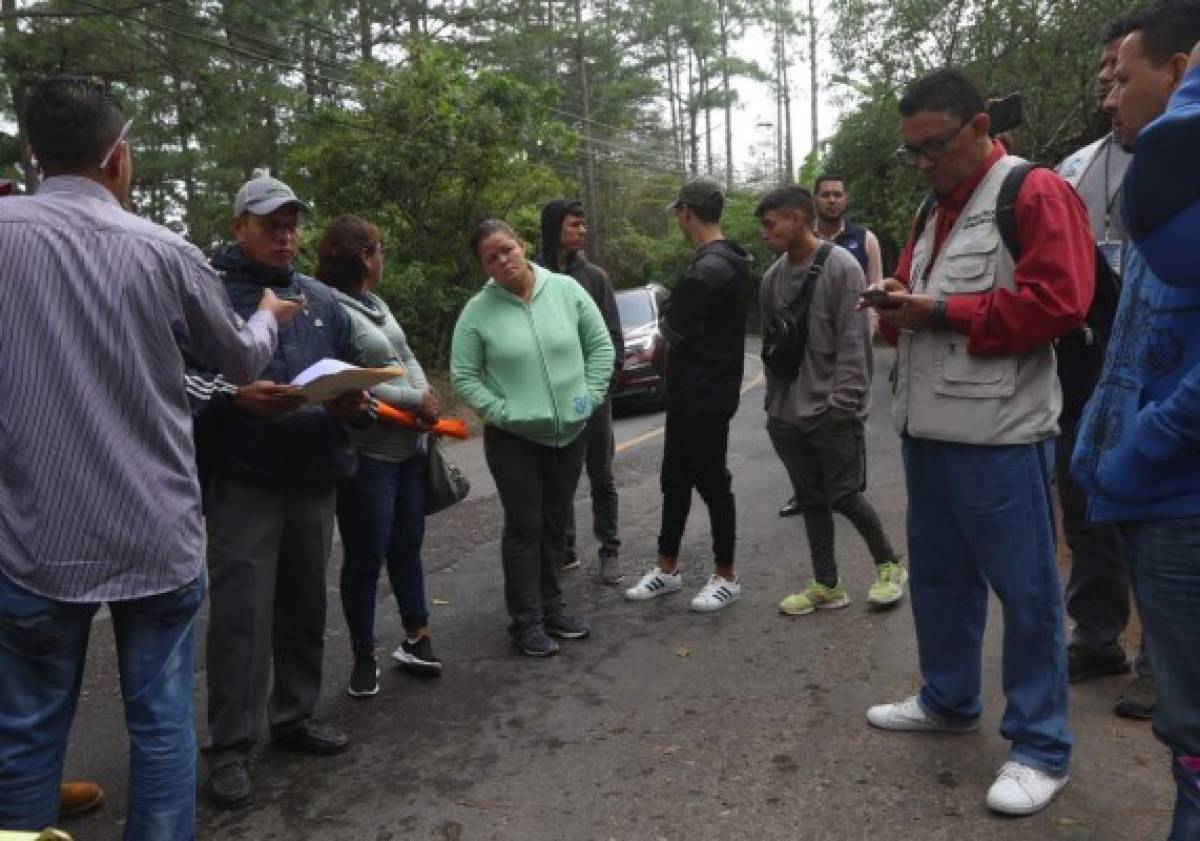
(754, 382)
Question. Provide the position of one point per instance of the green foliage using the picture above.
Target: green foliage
(433, 149)
(1046, 51)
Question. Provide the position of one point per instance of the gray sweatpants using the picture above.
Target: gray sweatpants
(600, 446)
(267, 551)
(828, 469)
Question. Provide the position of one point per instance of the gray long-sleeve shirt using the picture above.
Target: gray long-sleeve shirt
(835, 375)
(98, 493)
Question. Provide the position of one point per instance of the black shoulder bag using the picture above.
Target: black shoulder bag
(785, 336)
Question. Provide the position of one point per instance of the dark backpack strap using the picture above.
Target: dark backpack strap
(1006, 206)
(922, 218)
(799, 304)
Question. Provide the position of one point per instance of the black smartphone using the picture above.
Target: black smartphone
(877, 298)
(1006, 113)
(294, 296)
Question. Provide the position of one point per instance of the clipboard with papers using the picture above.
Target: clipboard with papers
(325, 380)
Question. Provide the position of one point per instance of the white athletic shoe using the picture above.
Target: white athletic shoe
(655, 583)
(716, 594)
(1021, 790)
(909, 715)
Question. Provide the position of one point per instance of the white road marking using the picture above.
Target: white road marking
(753, 382)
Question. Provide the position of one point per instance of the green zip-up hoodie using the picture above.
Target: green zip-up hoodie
(537, 369)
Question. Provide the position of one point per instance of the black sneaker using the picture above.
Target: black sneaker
(1084, 663)
(417, 656)
(533, 642)
(610, 571)
(311, 736)
(230, 786)
(567, 627)
(791, 509)
(571, 561)
(364, 679)
(1138, 700)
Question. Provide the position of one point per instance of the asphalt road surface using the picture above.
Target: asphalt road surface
(665, 724)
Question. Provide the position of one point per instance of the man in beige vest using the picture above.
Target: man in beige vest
(977, 402)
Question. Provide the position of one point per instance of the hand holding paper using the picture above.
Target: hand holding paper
(326, 380)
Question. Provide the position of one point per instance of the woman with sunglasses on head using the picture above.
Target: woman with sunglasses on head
(531, 355)
(381, 509)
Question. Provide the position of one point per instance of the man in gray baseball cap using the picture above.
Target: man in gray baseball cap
(703, 193)
(275, 465)
(264, 195)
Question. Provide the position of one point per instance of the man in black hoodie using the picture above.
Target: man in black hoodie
(705, 326)
(564, 234)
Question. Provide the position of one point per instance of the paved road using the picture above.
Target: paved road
(665, 724)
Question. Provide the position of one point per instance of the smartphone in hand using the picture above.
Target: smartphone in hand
(877, 298)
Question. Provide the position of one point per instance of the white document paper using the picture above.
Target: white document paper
(323, 381)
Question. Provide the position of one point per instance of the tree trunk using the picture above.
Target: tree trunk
(309, 62)
(414, 17)
(673, 84)
(694, 138)
(812, 77)
(589, 159)
(723, 12)
(789, 154)
(778, 93)
(708, 159)
(366, 42)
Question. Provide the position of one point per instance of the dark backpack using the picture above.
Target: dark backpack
(1080, 353)
(786, 335)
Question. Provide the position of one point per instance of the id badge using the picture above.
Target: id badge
(1112, 252)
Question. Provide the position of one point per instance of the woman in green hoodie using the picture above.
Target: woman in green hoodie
(381, 509)
(532, 357)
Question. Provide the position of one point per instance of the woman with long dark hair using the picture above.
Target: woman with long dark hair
(532, 357)
(381, 509)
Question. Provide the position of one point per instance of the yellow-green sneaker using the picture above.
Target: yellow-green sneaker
(815, 596)
(889, 585)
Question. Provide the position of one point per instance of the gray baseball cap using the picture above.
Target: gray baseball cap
(264, 195)
(699, 192)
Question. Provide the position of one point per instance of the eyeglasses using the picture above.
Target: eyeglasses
(931, 149)
(120, 139)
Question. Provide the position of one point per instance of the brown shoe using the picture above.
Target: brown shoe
(79, 798)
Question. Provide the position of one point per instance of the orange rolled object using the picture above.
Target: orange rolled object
(449, 427)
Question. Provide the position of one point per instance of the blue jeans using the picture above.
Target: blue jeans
(1164, 565)
(43, 647)
(979, 516)
(381, 516)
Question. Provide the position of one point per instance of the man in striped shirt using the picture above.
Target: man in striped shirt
(99, 500)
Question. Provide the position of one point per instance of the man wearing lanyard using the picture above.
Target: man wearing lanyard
(1098, 588)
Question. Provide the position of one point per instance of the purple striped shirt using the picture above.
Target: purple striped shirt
(99, 499)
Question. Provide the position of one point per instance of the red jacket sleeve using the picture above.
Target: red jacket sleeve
(1055, 276)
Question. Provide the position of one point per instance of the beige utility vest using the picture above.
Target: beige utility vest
(943, 392)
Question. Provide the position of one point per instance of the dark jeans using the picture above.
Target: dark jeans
(1097, 591)
(267, 551)
(600, 447)
(536, 485)
(828, 469)
(43, 648)
(381, 516)
(980, 516)
(1164, 564)
(694, 452)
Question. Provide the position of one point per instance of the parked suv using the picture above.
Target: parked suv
(640, 379)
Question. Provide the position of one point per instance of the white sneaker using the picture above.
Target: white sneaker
(716, 594)
(1021, 790)
(909, 715)
(655, 583)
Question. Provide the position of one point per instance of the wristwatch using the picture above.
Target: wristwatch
(938, 320)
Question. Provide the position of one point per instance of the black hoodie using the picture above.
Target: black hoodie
(590, 276)
(705, 325)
